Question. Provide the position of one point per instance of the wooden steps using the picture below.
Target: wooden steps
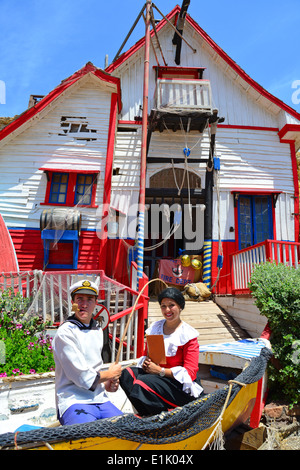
(214, 325)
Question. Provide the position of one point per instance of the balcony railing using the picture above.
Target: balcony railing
(175, 94)
(243, 262)
(50, 301)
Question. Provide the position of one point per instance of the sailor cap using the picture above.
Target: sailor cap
(84, 287)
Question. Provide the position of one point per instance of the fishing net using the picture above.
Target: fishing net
(167, 427)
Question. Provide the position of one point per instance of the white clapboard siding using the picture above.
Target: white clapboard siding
(127, 158)
(250, 159)
(169, 144)
(236, 101)
(23, 185)
(254, 159)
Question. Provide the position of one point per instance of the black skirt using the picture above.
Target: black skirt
(150, 394)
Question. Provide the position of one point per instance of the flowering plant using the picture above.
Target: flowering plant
(28, 348)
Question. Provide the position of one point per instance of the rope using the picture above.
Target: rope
(131, 314)
(166, 428)
(22, 378)
(218, 422)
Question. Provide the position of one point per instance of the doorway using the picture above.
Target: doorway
(173, 223)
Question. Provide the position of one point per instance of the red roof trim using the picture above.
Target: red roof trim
(219, 51)
(263, 192)
(65, 84)
(288, 128)
(240, 71)
(67, 170)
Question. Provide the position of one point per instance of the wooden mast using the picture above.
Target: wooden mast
(141, 217)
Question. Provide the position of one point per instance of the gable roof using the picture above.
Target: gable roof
(125, 56)
(54, 94)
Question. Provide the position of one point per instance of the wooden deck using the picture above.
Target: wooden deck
(214, 325)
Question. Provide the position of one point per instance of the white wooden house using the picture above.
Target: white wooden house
(217, 141)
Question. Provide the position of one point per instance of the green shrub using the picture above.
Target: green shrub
(27, 348)
(276, 289)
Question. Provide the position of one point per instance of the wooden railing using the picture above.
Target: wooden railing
(50, 300)
(175, 94)
(243, 261)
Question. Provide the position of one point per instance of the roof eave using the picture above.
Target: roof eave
(57, 92)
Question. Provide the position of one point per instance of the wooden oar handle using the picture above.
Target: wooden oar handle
(132, 312)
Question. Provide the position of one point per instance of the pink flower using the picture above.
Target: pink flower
(32, 371)
(19, 326)
(4, 374)
(16, 371)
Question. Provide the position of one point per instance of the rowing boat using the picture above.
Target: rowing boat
(191, 427)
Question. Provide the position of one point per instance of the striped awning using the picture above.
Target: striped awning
(245, 348)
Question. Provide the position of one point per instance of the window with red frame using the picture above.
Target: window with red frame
(188, 73)
(71, 188)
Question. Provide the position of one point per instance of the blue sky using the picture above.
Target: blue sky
(44, 41)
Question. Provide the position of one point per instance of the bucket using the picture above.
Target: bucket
(60, 219)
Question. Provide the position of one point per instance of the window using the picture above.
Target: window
(70, 188)
(83, 191)
(59, 186)
(255, 220)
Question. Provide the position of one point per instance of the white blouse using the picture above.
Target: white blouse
(180, 337)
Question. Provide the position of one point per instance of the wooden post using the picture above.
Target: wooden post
(141, 229)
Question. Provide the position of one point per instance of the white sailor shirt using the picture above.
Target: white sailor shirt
(77, 354)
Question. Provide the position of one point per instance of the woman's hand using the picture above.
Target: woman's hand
(150, 367)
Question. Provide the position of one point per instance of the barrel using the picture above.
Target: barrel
(61, 219)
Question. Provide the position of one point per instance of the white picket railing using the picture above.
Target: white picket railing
(50, 300)
(244, 260)
(174, 94)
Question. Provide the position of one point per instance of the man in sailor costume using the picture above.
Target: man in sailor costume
(80, 385)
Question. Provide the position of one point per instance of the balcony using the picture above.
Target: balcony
(182, 103)
(177, 95)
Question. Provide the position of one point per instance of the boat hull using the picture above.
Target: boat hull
(238, 411)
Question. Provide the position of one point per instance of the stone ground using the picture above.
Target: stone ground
(282, 425)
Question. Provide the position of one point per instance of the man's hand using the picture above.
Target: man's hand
(114, 371)
(112, 374)
(112, 385)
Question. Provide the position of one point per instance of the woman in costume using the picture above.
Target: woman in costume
(153, 388)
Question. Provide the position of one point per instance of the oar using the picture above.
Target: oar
(131, 314)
